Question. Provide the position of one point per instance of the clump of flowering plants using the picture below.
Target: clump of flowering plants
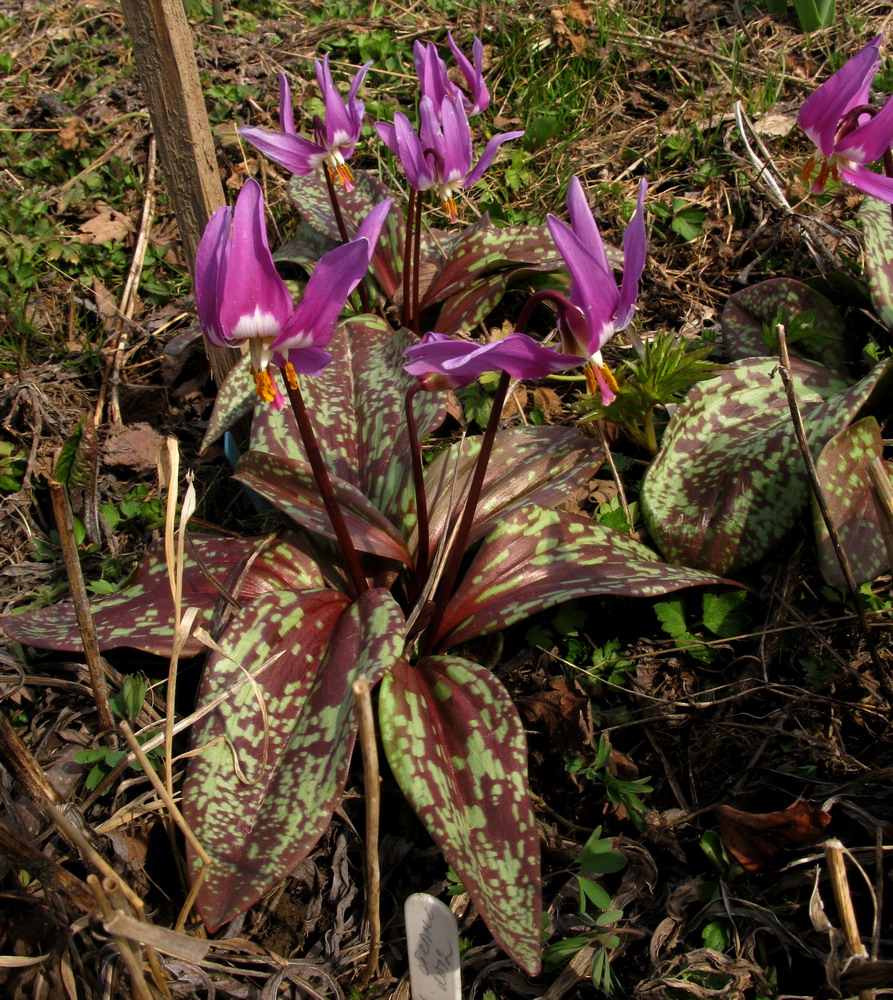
(386, 567)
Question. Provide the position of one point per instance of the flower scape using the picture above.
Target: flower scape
(465, 459)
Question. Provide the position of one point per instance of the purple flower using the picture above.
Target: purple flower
(239, 295)
(847, 132)
(436, 84)
(335, 137)
(447, 362)
(439, 155)
(299, 347)
(603, 307)
(241, 299)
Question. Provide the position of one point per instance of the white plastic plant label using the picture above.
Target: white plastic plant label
(432, 939)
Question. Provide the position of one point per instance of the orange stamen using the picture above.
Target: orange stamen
(264, 385)
(290, 375)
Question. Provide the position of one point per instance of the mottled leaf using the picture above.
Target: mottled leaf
(235, 397)
(748, 312)
(843, 473)
(536, 558)
(457, 749)
(357, 409)
(528, 465)
(141, 615)
(305, 246)
(484, 249)
(729, 481)
(291, 487)
(311, 197)
(290, 726)
(877, 225)
(477, 299)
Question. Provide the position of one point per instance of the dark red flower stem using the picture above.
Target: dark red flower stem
(546, 295)
(457, 549)
(324, 484)
(416, 268)
(418, 480)
(411, 213)
(342, 228)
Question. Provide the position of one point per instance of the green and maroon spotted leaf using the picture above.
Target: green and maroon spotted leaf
(141, 615)
(528, 465)
(304, 247)
(877, 226)
(483, 249)
(843, 473)
(235, 398)
(456, 746)
(748, 312)
(476, 300)
(729, 481)
(274, 756)
(311, 197)
(535, 558)
(356, 406)
(291, 487)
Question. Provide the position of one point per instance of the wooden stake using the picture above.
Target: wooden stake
(162, 45)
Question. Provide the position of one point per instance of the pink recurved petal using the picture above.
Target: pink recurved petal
(846, 89)
(583, 224)
(870, 141)
(298, 155)
(877, 185)
(313, 322)
(286, 114)
(210, 271)
(460, 362)
(256, 301)
(635, 248)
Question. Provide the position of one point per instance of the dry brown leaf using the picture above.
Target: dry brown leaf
(755, 838)
(108, 226)
(71, 135)
(133, 447)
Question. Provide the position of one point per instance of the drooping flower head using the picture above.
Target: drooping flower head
(847, 131)
(239, 295)
(439, 155)
(334, 136)
(435, 82)
(242, 300)
(604, 308)
(449, 362)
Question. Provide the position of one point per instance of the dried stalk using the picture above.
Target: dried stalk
(834, 856)
(784, 370)
(65, 527)
(372, 785)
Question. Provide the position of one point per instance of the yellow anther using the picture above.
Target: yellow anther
(290, 375)
(449, 207)
(608, 376)
(264, 385)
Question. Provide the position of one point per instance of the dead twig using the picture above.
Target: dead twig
(784, 371)
(371, 783)
(65, 527)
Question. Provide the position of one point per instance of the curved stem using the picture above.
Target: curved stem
(416, 269)
(321, 475)
(457, 550)
(545, 295)
(411, 212)
(421, 502)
